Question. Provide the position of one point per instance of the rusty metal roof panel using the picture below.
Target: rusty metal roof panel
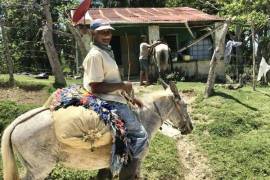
(151, 15)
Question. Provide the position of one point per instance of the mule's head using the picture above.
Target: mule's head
(178, 113)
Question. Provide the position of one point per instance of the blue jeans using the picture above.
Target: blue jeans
(136, 133)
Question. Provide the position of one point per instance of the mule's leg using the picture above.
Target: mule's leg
(38, 165)
(130, 171)
(138, 170)
(104, 174)
(137, 166)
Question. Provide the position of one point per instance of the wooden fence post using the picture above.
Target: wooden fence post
(253, 56)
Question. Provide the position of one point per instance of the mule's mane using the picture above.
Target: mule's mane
(151, 97)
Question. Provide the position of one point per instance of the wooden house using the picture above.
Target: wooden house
(178, 26)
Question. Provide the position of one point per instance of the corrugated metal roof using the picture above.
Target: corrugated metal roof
(149, 15)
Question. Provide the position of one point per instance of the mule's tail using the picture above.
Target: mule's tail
(10, 170)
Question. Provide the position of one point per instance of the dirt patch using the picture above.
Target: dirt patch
(194, 164)
(21, 96)
(188, 95)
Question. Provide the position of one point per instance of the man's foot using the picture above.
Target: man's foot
(142, 84)
(147, 84)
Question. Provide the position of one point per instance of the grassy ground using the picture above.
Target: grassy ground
(162, 161)
(30, 83)
(233, 129)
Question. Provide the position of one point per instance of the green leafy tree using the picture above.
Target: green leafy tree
(24, 21)
(208, 6)
(247, 13)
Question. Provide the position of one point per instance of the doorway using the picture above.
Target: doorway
(116, 47)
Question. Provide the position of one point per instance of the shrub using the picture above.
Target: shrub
(9, 111)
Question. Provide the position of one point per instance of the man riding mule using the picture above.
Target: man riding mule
(33, 135)
(102, 78)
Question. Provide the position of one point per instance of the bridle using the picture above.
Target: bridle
(157, 111)
(159, 114)
(130, 98)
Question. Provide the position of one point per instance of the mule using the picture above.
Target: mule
(32, 137)
(160, 56)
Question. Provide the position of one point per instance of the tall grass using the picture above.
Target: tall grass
(233, 129)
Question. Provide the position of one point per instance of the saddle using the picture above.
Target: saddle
(75, 123)
(80, 128)
(151, 50)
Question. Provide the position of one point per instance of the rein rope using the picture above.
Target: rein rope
(167, 121)
(130, 98)
(164, 120)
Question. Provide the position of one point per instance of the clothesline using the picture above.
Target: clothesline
(239, 65)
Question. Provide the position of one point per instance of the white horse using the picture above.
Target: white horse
(160, 56)
(32, 137)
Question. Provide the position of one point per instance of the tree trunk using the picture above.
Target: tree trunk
(209, 89)
(50, 48)
(211, 76)
(78, 39)
(7, 56)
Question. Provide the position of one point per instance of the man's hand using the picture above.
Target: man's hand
(103, 87)
(138, 102)
(127, 87)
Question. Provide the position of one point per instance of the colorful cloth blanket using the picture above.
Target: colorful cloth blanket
(76, 96)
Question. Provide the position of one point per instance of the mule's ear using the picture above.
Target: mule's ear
(174, 90)
(164, 85)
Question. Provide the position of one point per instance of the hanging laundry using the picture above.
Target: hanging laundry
(264, 68)
(228, 50)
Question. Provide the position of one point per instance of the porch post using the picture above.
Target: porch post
(153, 35)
